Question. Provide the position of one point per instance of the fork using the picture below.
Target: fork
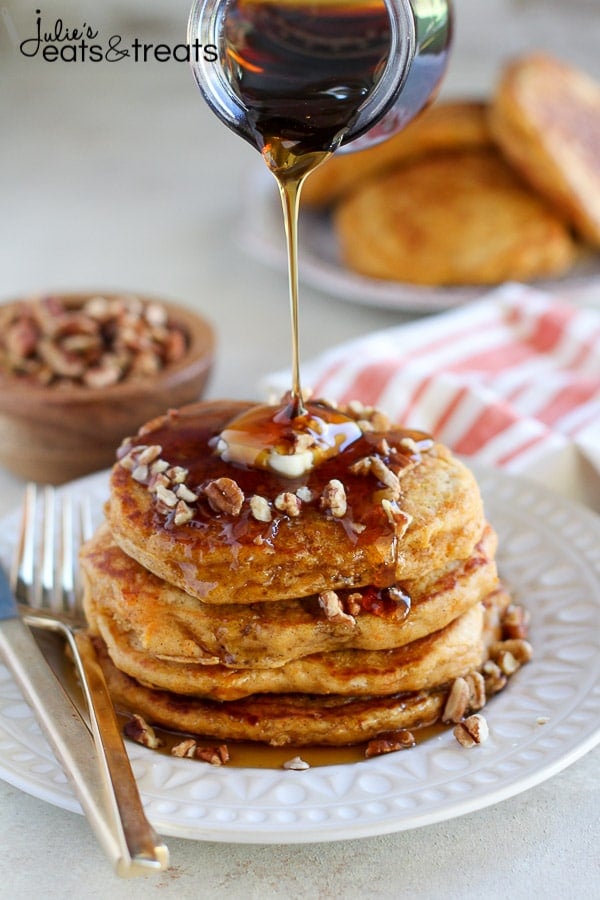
(46, 584)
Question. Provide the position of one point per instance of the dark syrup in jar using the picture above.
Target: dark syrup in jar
(303, 70)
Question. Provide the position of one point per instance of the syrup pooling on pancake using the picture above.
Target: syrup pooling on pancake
(285, 441)
(352, 499)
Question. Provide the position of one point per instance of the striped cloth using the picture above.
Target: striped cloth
(506, 380)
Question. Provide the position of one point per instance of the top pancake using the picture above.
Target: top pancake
(545, 115)
(228, 558)
(444, 126)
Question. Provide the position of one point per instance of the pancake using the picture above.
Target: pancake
(545, 115)
(282, 719)
(443, 126)
(274, 719)
(277, 720)
(164, 622)
(230, 556)
(452, 218)
(422, 664)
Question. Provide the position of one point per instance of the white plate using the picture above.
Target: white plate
(550, 557)
(260, 232)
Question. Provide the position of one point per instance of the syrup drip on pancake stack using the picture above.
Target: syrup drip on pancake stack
(325, 603)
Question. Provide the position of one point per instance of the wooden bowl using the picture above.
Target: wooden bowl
(52, 435)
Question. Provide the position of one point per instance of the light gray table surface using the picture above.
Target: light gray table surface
(117, 176)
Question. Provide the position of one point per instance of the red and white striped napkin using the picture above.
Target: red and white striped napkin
(506, 380)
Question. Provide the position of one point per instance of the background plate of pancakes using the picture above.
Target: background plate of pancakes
(473, 193)
(547, 717)
(260, 234)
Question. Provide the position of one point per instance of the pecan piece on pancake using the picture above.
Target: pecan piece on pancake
(225, 495)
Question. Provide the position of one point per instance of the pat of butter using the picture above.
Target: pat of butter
(266, 437)
(290, 465)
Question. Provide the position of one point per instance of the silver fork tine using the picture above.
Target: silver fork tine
(23, 573)
(67, 562)
(48, 597)
(85, 531)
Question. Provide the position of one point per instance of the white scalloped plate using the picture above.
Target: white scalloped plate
(550, 557)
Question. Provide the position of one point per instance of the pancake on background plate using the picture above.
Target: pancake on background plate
(545, 115)
(452, 218)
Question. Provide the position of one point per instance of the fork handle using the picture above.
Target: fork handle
(126, 834)
(63, 728)
(145, 848)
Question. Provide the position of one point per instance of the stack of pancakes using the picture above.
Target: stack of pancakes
(235, 603)
(476, 192)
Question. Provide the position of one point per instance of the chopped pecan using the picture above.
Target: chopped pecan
(139, 731)
(288, 503)
(354, 603)
(260, 509)
(175, 346)
(145, 362)
(225, 496)
(457, 703)
(366, 426)
(183, 513)
(108, 372)
(149, 454)
(471, 731)
(389, 742)
(60, 361)
(159, 480)
(296, 764)
(331, 605)
(140, 473)
(216, 756)
(358, 410)
(510, 655)
(477, 695)
(495, 679)
(362, 466)
(380, 420)
(155, 314)
(333, 498)
(183, 492)
(186, 748)
(21, 338)
(177, 474)
(385, 475)
(166, 496)
(408, 443)
(515, 622)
